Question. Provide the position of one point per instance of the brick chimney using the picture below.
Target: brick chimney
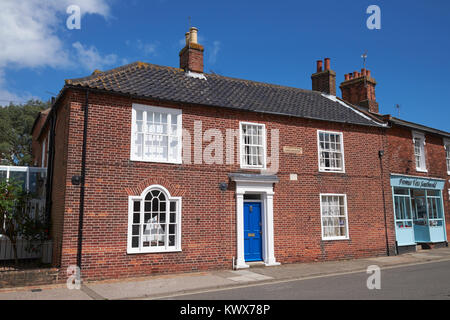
(191, 56)
(359, 89)
(324, 80)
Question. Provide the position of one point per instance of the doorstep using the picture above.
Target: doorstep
(256, 264)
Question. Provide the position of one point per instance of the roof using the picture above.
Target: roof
(43, 113)
(172, 84)
(417, 126)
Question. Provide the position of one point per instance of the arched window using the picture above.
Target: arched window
(154, 221)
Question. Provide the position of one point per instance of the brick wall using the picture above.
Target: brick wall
(208, 214)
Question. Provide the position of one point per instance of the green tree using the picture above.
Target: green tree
(16, 121)
(16, 220)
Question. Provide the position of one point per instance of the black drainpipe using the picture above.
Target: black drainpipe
(82, 181)
(50, 169)
(380, 155)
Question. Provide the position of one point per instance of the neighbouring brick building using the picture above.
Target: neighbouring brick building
(155, 169)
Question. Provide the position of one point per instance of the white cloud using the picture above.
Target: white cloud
(90, 58)
(29, 35)
(28, 31)
(214, 52)
(147, 48)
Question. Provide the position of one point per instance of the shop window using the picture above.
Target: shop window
(154, 222)
(333, 208)
(419, 151)
(331, 151)
(402, 205)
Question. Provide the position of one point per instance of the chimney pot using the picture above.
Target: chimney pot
(324, 81)
(361, 90)
(191, 56)
(327, 63)
(193, 35)
(319, 65)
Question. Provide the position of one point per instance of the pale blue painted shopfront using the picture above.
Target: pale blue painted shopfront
(419, 210)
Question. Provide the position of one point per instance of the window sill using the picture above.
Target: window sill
(421, 170)
(156, 161)
(153, 251)
(252, 168)
(335, 239)
(332, 171)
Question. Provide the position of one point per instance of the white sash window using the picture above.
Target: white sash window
(419, 151)
(156, 134)
(331, 151)
(333, 210)
(253, 145)
(447, 154)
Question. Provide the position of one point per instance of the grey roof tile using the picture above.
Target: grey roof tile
(172, 84)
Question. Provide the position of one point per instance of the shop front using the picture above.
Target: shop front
(419, 210)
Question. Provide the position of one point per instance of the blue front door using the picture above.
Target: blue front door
(252, 231)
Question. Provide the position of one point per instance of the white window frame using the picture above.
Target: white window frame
(242, 145)
(141, 198)
(347, 237)
(43, 153)
(324, 169)
(170, 113)
(422, 166)
(447, 150)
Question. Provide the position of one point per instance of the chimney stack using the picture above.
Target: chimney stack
(191, 56)
(359, 89)
(324, 81)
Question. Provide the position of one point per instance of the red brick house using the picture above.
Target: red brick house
(155, 169)
(419, 170)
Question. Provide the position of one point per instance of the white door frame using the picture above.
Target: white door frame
(265, 188)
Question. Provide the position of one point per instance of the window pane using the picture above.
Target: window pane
(172, 241)
(2, 174)
(136, 217)
(135, 242)
(135, 230)
(19, 177)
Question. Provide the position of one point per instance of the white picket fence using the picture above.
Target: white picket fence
(43, 251)
(36, 210)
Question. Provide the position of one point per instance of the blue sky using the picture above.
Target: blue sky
(270, 41)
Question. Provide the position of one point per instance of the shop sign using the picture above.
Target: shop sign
(416, 182)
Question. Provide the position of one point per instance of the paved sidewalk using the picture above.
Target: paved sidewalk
(168, 285)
